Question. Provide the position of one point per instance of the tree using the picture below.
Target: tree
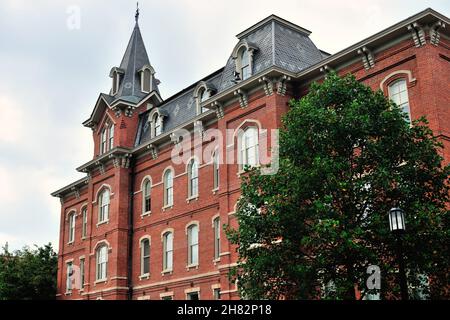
(347, 155)
(28, 274)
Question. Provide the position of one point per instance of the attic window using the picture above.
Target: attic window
(146, 78)
(203, 92)
(243, 58)
(115, 75)
(245, 64)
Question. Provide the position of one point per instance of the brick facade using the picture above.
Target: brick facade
(427, 71)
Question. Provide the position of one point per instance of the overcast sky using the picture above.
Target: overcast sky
(51, 73)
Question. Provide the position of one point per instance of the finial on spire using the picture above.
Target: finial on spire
(137, 12)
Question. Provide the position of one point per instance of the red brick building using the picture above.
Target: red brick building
(142, 225)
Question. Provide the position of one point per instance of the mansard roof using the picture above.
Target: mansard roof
(276, 43)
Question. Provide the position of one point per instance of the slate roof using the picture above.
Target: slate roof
(134, 59)
(279, 43)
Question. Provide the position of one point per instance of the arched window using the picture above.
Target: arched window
(248, 147)
(216, 169)
(398, 93)
(104, 199)
(204, 95)
(145, 257)
(168, 251)
(146, 198)
(111, 137)
(168, 188)
(192, 237)
(103, 142)
(84, 223)
(193, 178)
(157, 128)
(102, 263)
(216, 227)
(72, 217)
(245, 64)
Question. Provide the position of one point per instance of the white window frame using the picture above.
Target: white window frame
(245, 69)
(82, 272)
(69, 274)
(111, 137)
(146, 197)
(168, 177)
(103, 141)
(245, 148)
(72, 221)
(398, 93)
(216, 172)
(168, 251)
(193, 244)
(216, 229)
(193, 178)
(103, 208)
(143, 256)
(84, 222)
(101, 263)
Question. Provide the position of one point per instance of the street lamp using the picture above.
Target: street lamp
(397, 226)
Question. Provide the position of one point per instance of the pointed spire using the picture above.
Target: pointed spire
(133, 62)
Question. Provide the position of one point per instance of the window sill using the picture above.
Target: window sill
(102, 222)
(168, 207)
(101, 281)
(216, 261)
(83, 238)
(145, 214)
(68, 293)
(164, 272)
(191, 266)
(193, 198)
(70, 242)
(215, 190)
(144, 276)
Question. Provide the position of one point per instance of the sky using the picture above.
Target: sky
(55, 58)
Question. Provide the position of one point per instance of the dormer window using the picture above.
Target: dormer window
(203, 92)
(243, 56)
(156, 125)
(245, 64)
(156, 119)
(146, 74)
(115, 74)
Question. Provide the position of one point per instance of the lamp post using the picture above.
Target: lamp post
(397, 226)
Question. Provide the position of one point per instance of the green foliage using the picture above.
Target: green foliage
(347, 155)
(28, 274)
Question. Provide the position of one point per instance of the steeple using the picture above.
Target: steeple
(134, 78)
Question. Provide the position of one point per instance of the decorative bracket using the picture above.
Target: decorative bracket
(367, 58)
(101, 167)
(218, 107)
(122, 161)
(282, 84)
(268, 85)
(129, 111)
(153, 151)
(325, 70)
(175, 138)
(77, 192)
(243, 97)
(435, 35)
(418, 34)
